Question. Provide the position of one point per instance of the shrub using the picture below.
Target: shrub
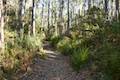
(54, 40)
(74, 34)
(108, 59)
(79, 58)
(29, 42)
(64, 46)
(115, 28)
(18, 53)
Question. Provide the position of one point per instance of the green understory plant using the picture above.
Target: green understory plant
(79, 58)
(64, 46)
(108, 60)
(54, 40)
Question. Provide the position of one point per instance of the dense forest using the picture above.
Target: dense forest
(84, 32)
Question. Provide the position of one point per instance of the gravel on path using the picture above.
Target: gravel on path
(55, 67)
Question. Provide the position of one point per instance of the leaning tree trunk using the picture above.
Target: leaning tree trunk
(33, 18)
(1, 25)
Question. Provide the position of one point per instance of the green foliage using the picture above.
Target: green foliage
(115, 28)
(9, 62)
(64, 46)
(79, 58)
(96, 16)
(74, 34)
(109, 60)
(30, 42)
(19, 52)
(91, 33)
(54, 40)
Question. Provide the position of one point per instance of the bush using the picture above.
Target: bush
(54, 40)
(18, 53)
(115, 28)
(64, 46)
(108, 60)
(30, 43)
(79, 58)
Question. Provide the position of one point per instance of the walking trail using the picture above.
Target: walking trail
(55, 67)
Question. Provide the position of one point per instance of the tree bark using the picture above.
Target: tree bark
(60, 21)
(1, 25)
(42, 12)
(21, 12)
(106, 7)
(48, 16)
(68, 20)
(33, 18)
(89, 4)
(117, 9)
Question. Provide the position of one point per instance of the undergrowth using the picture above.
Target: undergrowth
(101, 46)
(18, 54)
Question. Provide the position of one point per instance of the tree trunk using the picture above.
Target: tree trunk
(106, 7)
(33, 18)
(1, 25)
(89, 4)
(60, 21)
(55, 13)
(42, 16)
(117, 9)
(52, 11)
(20, 17)
(48, 16)
(68, 20)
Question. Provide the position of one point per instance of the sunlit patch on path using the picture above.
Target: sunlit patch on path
(54, 67)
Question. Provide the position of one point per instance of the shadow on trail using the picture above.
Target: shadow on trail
(54, 67)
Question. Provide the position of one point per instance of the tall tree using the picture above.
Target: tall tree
(5, 7)
(48, 16)
(117, 8)
(68, 12)
(60, 21)
(106, 6)
(55, 17)
(89, 4)
(20, 17)
(33, 18)
(52, 11)
(1, 24)
(42, 12)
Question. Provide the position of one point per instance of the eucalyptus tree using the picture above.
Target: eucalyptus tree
(117, 8)
(52, 11)
(21, 13)
(42, 13)
(106, 7)
(1, 25)
(54, 8)
(83, 7)
(68, 18)
(89, 4)
(48, 17)
(33, 18)
(60, 16)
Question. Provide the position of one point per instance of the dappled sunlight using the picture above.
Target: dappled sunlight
(59, 39)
